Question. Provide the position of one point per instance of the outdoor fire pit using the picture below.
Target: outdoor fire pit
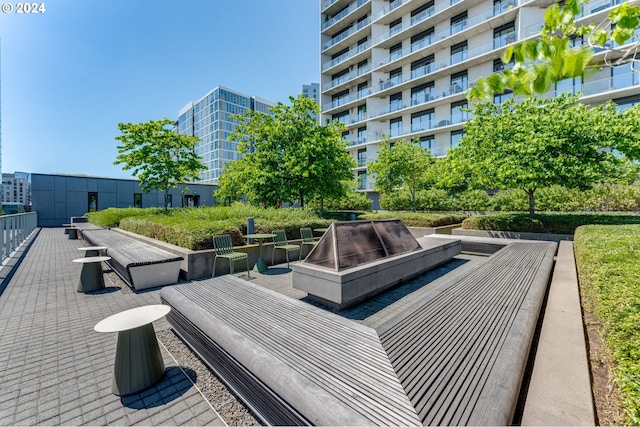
(357, 259)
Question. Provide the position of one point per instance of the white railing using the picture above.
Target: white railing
(354, 50)
(14, 229)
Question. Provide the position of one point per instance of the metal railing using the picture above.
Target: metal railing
(14, 229)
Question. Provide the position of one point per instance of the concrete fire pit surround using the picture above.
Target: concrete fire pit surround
(341, 289)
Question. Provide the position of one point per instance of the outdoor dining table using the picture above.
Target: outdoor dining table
(261, 264)
(91, 277)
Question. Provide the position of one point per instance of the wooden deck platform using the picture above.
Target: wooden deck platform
(457, 356)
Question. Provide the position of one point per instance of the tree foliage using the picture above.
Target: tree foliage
(553, 57)
(288, 156)
(159, 157)
(403, 164)
(536, 143)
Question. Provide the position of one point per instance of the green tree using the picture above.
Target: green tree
(535, 143)
(402, 164)
(159, 157)
(287, 156)
(552, 57)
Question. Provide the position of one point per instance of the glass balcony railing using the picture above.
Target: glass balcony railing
(426, 125)
(468, 23)
(458, 57)
(327, 3)
(346, 99)
(387, 9)
(619, 81)
(502, 7)
(504, 40)
(360, 25)
(335, 18)
(354, 50)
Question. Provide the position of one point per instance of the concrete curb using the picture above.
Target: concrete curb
(560, 389)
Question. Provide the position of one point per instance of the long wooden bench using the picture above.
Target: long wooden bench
(139, 264)
(457, 356)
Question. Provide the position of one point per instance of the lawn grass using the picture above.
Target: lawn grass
(557, 223)
(608, 262)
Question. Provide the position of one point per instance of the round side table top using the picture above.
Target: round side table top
(133, 318)
(260, 236)
(92, 248)
(92, 259)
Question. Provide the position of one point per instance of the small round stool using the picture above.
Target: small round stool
(91, 278)
(139, 363)
(73, 233)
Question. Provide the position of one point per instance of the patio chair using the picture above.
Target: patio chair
(224, 249)
(307, 237)
(280, 242)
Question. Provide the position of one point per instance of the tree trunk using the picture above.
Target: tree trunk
(530, 193)
(302, 198)
(413, 198)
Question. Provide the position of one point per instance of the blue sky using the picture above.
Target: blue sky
(71, 74)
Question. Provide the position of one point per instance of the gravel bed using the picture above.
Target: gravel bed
(226, 404)
(232, 411)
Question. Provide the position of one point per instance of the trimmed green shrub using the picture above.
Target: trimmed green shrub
(557, 223)
(608, 267)
(417, 219)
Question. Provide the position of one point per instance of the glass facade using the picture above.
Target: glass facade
(211, 120)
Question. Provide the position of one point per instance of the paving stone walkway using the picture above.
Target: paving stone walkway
(56, 370)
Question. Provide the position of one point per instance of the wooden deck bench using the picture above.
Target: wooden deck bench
(456, 356)
(139, 264)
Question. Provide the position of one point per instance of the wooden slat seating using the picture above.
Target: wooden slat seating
(457, 355)
(223, 247)
(139, 264)
(280, 242)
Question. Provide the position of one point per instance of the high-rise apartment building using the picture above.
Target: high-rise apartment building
(16, 192)
(399, 69)
(312, 91)
(209, 119)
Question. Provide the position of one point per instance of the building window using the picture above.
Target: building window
(458, 23)
(362, 157)
(363, 67)
(422, 66)
(422, 120)
(422, 39)
(428, 142)
(457, 115)
(362, 180)
(93, 202)
(459, 82)
(456, 137)
(395, 126)
(501, 6)
(395, 77)
(422, 93)
(362, 135)
(395, 27)
(137, 200)
(395, 101)
(572, 85)
(623, 76)
(395, 51)
(498, 65)
(422, 12)
(628, 102)
(504, 35)
(362, 112)
(458, 52)
(502, 97)
(341, 117)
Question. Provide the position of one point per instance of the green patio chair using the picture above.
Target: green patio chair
(280, 242)
(224, 249)
(307, 237)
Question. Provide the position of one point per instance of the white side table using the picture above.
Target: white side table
(91, 278)
(139, 363)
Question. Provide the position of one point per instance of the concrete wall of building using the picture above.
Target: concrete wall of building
(57, 198)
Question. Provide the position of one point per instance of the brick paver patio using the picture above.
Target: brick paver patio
(56, 370)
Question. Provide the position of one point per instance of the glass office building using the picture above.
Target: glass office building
(400, 68)
(210, 120)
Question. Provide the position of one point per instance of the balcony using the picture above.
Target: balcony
(353, 51)
(352, 7)
(357, 27)
(412, 129)
(362, 93)
(387, 9)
